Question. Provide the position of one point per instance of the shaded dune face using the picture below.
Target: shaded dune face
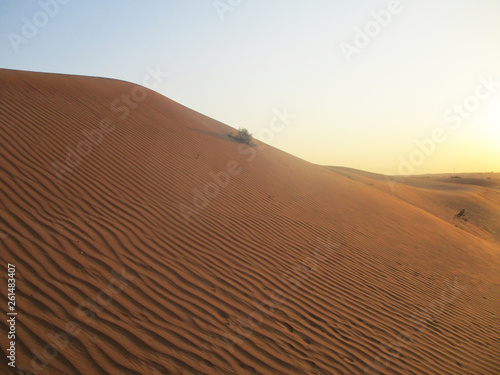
(146, 241)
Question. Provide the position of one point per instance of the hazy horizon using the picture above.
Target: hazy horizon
(386, 87)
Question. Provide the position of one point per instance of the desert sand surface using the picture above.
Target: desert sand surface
(130, 259)
(445, 196)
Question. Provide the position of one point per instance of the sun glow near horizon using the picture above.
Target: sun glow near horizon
(492, 123)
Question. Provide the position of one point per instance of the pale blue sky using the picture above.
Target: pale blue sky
(267, 55)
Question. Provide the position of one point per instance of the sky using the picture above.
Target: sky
(393, 87)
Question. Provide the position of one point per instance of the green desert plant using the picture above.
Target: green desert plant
(243, 136)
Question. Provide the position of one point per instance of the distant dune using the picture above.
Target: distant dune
(444, 196)
(147, 241)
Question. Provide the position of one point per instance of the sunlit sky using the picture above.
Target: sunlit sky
(240, 61)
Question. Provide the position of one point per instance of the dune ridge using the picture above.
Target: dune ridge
(291, 268)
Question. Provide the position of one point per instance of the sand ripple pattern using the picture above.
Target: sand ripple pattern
(291, 269)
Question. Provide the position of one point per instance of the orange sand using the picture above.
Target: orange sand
(290, 267)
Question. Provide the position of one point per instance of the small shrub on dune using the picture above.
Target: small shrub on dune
(243, 136)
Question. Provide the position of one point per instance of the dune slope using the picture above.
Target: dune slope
(146, 241)
(445, 196)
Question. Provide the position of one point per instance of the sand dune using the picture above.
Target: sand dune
(147, 241)
(445, 196)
